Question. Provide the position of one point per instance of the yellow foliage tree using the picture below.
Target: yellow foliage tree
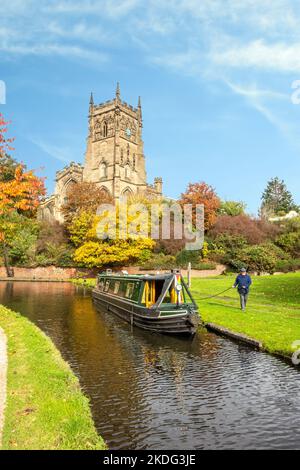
(106, 246)
(113, 252)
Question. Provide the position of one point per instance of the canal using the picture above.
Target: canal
(156, 392)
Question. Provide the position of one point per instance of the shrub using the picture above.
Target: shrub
(52, 254)
(50, 232)
(204, 266)
(184, 257)
(226, 247)
(22, 250)
(170, 246)
(259, 258)
(160, 261)
(290, 242)
(253, 231)
(287, 265)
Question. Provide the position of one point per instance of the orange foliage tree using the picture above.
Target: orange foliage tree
(5, 142)
(22, 193)
(202, 193)
(19, 194)
(83, 197)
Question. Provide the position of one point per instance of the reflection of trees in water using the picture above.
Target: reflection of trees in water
(107, 370)
(8, 290)
(45, 303)
(98, 348)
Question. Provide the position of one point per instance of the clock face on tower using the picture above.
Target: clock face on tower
(128, 132)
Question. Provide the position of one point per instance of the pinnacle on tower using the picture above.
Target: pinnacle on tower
(140, 110)
(118, 91)
(91, 100)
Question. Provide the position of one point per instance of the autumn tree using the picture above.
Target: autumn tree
(94, 251)
(5, 142)
(232, 208)
(20, 193)
(83, 196)
(202, 193)
(8, 166)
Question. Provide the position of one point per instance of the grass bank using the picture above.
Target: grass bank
(273, 312)
(45, 406)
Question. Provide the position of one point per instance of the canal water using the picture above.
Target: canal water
(155, 392)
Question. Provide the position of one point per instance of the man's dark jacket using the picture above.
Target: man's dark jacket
(243, 283)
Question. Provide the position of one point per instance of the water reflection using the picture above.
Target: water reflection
(150, 391)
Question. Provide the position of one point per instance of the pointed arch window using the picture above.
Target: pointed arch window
(103, 170)
(127, 192)
(105, 129)
(127, 172)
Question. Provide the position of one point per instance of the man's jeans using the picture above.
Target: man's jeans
(243, 299)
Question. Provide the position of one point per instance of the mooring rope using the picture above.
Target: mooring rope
(215, 295)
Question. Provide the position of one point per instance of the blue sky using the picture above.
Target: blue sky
(215, 77)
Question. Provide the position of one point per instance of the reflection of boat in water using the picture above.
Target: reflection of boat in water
(156, 302)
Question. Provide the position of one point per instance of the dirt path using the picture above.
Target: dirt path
(3, 370)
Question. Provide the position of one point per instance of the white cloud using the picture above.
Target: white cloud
(264, 102)
(53, 49)
(113, 9)
(63, 154)
(253, 92)
(258, 54)
(227, 33)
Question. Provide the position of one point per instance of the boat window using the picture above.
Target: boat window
(122, 288)
(148, 297)
(136, 291)
(101, 283)
(116, 287)
(111, 286)
(106, 286)
(129, 290)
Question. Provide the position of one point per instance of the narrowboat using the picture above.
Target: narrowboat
(159, 303)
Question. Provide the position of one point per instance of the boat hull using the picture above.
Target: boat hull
(181, 322)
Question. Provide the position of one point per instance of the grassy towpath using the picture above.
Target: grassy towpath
(273, 312)
(45, 407)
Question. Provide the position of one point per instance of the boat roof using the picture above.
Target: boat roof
(142, 277)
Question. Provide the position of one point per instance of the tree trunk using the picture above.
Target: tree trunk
(9, 270)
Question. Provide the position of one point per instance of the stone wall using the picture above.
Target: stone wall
(53, 273)
(48, 273)
(220, 269)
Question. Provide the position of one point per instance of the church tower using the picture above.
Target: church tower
(115, 156)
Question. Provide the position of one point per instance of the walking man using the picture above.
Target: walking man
(243, 282)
